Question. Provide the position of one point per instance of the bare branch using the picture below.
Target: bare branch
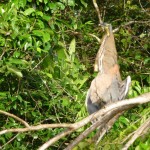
(38, 127)
(143, 128)
(111, 109)
(66, 132)
(9, 141)
(131, 22)
(103, 116)
(98, 11)
(15, 117)
(97, 38)
(117, 29)
(99, 135)
(143, 8)
(56, 138)
(2, 54)
(100, 123)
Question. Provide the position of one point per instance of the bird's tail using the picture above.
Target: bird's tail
(124, 87)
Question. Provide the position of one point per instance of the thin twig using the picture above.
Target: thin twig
(143, 8)
(56, 138)
(97, 38)
(143, 128)
(2, 54)
(39, 63)
(9, 141)
(15, 117)
(98, 11)
(99, 123)
(99, 135)
(129, 23)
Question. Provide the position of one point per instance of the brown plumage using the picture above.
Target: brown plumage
(107, 54)
(107, 86)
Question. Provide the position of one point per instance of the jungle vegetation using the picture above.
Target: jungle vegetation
(46, 67)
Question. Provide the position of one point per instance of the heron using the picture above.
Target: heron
(107, 86)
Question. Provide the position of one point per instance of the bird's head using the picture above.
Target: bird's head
(107, 27)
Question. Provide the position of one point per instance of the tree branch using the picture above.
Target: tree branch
(98, 11)
(111, 109)
(143, 128)
(97, 38)
(103, 116)
(143, 8)
(15, 117)
(129, 23)
(38, 127)
(99, 135)
(100, 123)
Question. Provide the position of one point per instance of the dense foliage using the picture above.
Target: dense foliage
(46, 65)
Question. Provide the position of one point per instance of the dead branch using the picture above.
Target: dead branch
(98, 11)
(97, 38)
(114, 31)
(143, 128)
(110, 109)
(131, 22)
(100, 123)
(143, 8)
(38, 127)
(9, 141)
(15, 117)
(56, 138)
(104, 115)
(99, 135)
(117, 29)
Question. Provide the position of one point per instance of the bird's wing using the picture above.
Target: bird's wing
(98, 87)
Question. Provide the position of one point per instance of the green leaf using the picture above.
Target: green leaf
(71, 2)
(72, 49)
(49, 75)
(22, 3)
(17, 61)
(16, 54)
(147, 60)
(61, 6)
(46, 1)
(142, 35)
(46, 17)
(15, 71)
(29, 11)
(65, 101)
(124, 120)
(2, 41)
(61, 53)
(83, 81)
(39, 13)
(83, 3)
(39, 49)
(46, 37)
(38, 32)
(3, 94)
(52, 6)
(89, 22)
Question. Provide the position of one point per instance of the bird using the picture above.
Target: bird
(107, 87)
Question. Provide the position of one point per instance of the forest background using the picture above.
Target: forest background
(47, 52)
